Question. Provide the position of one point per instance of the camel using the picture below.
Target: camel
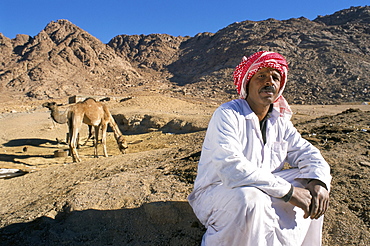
(94, 114)
(61, 118)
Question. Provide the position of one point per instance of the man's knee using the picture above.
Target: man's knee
(252, 198)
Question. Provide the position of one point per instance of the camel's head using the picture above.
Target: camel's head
(49, 105)
(122, 144)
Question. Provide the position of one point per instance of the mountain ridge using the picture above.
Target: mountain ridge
(328, 59)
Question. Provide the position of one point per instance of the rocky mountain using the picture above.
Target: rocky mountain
(61, 60)
(328, 57)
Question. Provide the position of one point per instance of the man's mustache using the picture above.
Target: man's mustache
(268, 88)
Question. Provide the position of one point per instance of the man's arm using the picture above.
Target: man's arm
(306, 157)
(301, 198)
(227, 150)
(320, 198)
(314, 199)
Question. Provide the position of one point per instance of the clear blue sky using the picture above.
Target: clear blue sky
(106, 19)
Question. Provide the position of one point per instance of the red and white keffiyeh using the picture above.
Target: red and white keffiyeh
(250, 66)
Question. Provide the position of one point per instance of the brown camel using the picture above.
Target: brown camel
(92, 113)
(61, 118)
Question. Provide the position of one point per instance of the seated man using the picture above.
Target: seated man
(242, 194)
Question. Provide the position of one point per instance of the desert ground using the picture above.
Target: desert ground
(139, 198)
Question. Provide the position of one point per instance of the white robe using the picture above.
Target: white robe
(239, 182)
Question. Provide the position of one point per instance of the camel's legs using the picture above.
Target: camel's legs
(73, 137)
(104, 138)
(78, 140)
(96, 129)
(88, 137)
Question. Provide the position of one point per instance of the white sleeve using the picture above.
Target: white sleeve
(223, 145)
(306, 157)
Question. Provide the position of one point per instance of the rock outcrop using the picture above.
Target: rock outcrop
(328, 57)
(62, 60)
(328, 60)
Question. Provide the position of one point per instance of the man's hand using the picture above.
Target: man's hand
(320, 198)
(302, 198)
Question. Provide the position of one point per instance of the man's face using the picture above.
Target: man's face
(263, 88)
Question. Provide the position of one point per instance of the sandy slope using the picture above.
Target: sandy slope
(140, 198)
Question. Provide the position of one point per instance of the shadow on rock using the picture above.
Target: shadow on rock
(157, 223)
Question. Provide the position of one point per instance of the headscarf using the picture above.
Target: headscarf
(251, 65)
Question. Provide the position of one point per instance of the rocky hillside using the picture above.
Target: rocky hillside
(61, 60)
(329, 59)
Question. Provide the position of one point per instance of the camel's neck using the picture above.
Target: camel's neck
(58, 117)
(117, 132)
(121, 141)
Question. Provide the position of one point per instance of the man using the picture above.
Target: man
(242, 193)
